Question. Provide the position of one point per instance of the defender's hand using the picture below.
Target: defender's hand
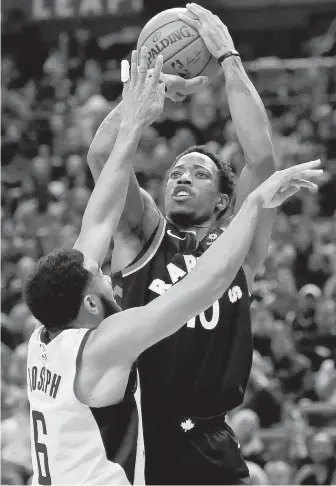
(212, 30)
(284, 183)
(143, 97)
(179, 88)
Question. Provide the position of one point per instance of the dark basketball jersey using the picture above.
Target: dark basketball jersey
(201, 370)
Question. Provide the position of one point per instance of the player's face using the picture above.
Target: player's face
(192, 192)
(103, 286)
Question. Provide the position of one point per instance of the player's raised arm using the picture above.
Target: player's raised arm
(143, 101)
(138, 203)
(249, 118)
(121, 338)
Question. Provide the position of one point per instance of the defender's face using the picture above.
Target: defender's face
(192, 192)
(101, 288)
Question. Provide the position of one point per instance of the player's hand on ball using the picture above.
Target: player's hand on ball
(143, 96)
(212, 30)
(284, 183)
(177, 88)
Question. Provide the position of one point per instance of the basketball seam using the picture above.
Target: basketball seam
(182, 48)
(164, 25)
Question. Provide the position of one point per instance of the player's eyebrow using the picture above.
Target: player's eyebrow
(197, 166)
(194, 166)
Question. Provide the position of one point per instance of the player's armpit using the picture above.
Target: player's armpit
(130, 241)
(249, 180)
(99, 384)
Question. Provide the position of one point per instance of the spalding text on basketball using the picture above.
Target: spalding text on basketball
(175, 36)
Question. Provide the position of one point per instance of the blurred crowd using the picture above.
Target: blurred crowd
(52, 103)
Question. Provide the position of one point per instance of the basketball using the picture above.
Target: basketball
(183, 50)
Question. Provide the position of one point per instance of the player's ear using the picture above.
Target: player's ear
(223, 202)
(91, 304)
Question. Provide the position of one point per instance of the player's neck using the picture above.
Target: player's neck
(200, 230)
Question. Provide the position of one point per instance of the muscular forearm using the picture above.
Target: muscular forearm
(248, 113)
(104, 140)
(108, 198)
(99, 151)
(226, 255)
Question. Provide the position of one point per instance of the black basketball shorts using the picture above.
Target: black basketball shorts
(201, 455)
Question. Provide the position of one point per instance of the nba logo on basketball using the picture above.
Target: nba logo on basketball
(43, 351)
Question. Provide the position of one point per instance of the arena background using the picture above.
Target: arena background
(60, 76)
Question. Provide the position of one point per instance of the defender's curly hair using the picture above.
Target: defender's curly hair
(54, 290)
(226, 174)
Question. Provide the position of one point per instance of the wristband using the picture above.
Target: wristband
(228, 54)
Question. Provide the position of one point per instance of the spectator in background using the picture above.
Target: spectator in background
(323, 461)
(263, 395)
(278, 473)
(247, 428)
(290, 367)
(257, 475)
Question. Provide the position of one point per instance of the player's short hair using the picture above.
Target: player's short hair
(226, 174)
(55, 288)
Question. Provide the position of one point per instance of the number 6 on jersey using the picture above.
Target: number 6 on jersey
(40, 448)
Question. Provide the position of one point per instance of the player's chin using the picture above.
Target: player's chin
(180, 204)
(179, 208)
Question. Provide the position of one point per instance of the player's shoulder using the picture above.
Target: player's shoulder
(36, 334)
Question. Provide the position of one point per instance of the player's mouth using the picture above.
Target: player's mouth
(181, 193)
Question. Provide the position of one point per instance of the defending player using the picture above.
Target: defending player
(190, 380)
(84, 432)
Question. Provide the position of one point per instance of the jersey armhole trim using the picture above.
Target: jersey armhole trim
(78, 358)
(151, 251)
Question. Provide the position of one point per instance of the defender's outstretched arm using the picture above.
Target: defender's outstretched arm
(143, 102)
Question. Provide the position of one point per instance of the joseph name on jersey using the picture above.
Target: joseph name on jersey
(73, 443)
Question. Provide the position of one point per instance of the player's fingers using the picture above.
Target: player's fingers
(161, 94)
(193, 85)
(143, 65)
(297, 169)
(134, 68)
(124, 73)
(195, 24)
(217, 21)
(155, 78)
(198, 10)
(290, 191)
(312, 173)
(176, 97)
(308, 184)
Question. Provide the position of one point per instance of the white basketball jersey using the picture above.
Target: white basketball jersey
(72, 443)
